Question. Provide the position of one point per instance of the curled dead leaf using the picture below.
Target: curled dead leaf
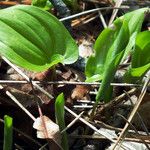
(52, 129)
(80, 92)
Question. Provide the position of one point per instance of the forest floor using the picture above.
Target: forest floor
(125, 120)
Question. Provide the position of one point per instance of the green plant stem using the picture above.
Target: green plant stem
(98, 98)
(104, 91)
(8, 131)
(59, 113)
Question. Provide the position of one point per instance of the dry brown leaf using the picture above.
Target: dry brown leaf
(51, 127)
(80, 92)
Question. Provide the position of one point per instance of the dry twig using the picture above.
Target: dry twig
(133, 111)
(19, 104)
(118, 4)
(138, 135)
(139, 116)
(26, 77)
(69, 83)
(93, 127)
(91, 11)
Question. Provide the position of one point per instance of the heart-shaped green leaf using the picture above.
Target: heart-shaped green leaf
(34, 39)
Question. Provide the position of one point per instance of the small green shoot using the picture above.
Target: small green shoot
(59, 113)
(8, 133)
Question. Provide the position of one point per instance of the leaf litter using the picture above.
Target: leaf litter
(73, 93)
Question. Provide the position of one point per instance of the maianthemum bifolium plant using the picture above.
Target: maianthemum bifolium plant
(34, 39)
(113, 45)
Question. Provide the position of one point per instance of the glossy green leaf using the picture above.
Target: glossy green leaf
(141, 54)
(135, 20)
(95, 64)
(113, 58)
(34, 39)
(104, 90)
(138, 72)
(59, 113)
(110, 42)
(140, 63)
(8, 133)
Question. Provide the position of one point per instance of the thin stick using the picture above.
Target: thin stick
(131, 125)
(89, 20)
(18, 147)
(103, 138)
(68, 82)
(94, 128)
(101, 18)
(139, 116)
(90, 11)
(83, 20)
(118, 99)
(19, 104)
(26, 77)
(73, 122)
(118, 4)
(83, 106)
(133, 111)
(43, 147)
(40, 111)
